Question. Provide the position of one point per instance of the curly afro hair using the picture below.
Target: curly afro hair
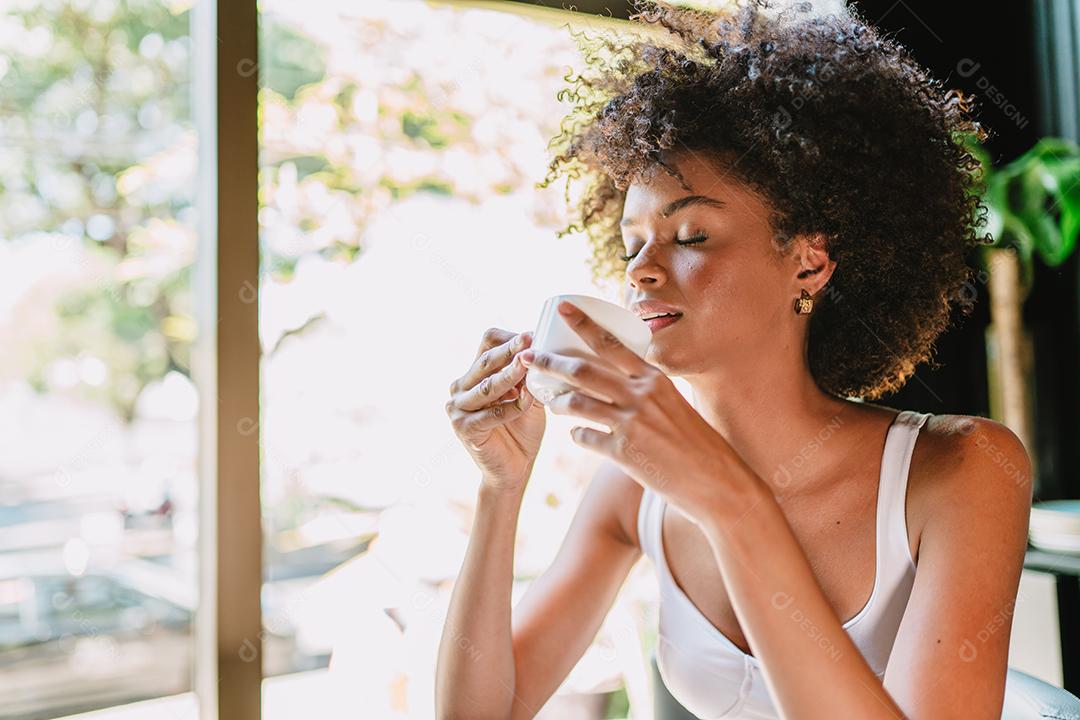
(838, 129)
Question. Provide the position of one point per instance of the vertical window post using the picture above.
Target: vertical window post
(228, 662)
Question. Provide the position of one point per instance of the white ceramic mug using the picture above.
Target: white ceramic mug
(553, 334)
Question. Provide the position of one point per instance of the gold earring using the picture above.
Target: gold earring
(804, 303)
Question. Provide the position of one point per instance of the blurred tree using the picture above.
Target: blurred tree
(99, 158)
(95, 165)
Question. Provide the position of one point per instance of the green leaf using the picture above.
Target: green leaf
(1070, 212)
(1052, 246)
(1051, 148)
(996, 207)
(1055, 207)
(1034, 202)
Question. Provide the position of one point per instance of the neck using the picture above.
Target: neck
(775, 416)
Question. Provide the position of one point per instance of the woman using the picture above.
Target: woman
(793, 192)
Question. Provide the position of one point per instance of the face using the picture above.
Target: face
(713, 258)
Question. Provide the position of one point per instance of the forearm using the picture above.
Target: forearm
(475, 667)
(811, 665)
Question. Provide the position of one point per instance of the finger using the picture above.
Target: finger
(493, 416)
(593, 439)
(496, 351)
(603, 342)
(493, 386)
(581, 405)
(514, 396)
(493, 337)
(587, 373)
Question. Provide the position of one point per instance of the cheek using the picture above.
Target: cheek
(743, 287)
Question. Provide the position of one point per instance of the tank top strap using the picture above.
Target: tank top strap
(894, 548)
(645, 528)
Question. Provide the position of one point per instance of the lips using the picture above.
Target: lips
(652, 308)
(657, 323)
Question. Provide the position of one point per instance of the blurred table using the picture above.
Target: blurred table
(1066, 572)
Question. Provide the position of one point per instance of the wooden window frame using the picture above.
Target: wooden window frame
(225, 363)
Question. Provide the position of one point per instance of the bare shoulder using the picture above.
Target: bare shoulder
(965, 464)
(956, 452)
(617, 496)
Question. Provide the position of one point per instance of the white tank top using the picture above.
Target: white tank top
(708, 674)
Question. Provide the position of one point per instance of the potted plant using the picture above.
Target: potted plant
(1034, 209)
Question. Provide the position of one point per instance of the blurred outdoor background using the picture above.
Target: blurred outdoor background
(400, 144)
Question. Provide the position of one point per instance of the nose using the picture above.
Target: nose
(646, 268)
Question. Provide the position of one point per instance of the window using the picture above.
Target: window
(398, 148)
(97, 408)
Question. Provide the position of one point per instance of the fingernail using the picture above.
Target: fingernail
(526, 356)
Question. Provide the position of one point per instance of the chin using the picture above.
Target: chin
(658, 358)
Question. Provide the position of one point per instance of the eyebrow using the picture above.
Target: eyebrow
(679, 204)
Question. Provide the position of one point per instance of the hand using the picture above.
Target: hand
(656, 436)
(494, 415)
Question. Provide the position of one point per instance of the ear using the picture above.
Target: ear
(813, 266)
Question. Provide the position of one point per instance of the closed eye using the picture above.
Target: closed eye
(692, 240)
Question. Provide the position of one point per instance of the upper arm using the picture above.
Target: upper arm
(951, 652)
(562, 610)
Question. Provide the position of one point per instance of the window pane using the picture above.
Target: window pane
(401, 144)
(97, 409)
